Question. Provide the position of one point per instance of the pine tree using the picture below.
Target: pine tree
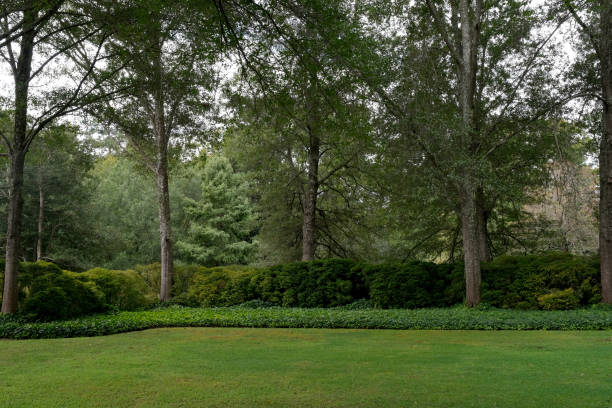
(222, 223)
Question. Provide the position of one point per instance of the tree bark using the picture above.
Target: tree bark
(41, 216)
(471, 247)
(605, 155)
(19, 149)
(483, 233)
(472, 232)
(309, 227)
(161, 174)
(165, 227)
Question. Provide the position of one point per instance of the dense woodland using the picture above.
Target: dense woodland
(245, 132)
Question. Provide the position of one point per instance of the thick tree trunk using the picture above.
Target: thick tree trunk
(471, 246)
(472, 232)
(309, 227)
(483, 233)
(41, 217)
(19, 148)
(13, 234)
(605, 156)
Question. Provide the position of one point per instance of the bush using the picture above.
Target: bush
(124, 290)
(520, 281)
(558, 300)
(181, 278)
(221, 286)
(412, 285)
(323, 283)
(57, 296)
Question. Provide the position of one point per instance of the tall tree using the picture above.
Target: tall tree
(53, 27)
(166, 51)
(463, 82)
(597, 31)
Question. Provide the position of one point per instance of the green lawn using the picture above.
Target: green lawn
(221, 367)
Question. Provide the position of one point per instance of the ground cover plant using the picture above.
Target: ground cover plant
(458, 318)
(223, 367)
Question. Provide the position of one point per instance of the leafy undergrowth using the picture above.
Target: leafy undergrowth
(458, 318)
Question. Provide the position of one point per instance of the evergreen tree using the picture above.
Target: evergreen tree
(222, 223)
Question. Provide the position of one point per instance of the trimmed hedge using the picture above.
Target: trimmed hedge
(458, 318)
(555, 281)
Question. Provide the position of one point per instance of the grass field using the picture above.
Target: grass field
(233, 367)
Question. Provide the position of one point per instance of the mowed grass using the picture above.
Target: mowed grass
(246, 367)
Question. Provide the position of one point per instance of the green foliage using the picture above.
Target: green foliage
(53, 295)
(181, 277)
(222, 223)
(125, 290)
(412, 285)
(457, 318)
(221, 286)
(519, 281)
(322, 283)
(558, 300)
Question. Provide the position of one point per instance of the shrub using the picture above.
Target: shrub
(412, 285)
(323, 283)
(181, 278)
(520, 281)
(57, 296)
(221, 286)
(125, 290)
(558, 300)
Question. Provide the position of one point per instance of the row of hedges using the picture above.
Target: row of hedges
(549, 282)
(553, 281)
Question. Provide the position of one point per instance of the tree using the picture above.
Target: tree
(166, 51)
(52, 27)
(460, 81)
(308, 119)
(222, 223)
(597, 32)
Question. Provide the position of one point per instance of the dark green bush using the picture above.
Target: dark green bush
(412, 285)
(57, 296)
(519, 281)
(323, 283)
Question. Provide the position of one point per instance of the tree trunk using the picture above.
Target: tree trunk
(165, 228)
(309, 227)
(470, 216)
(483, 233)
(13, 234)
(161, 174)
(19, 148)
(41, 216)
(605, 157)
(471, 247)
